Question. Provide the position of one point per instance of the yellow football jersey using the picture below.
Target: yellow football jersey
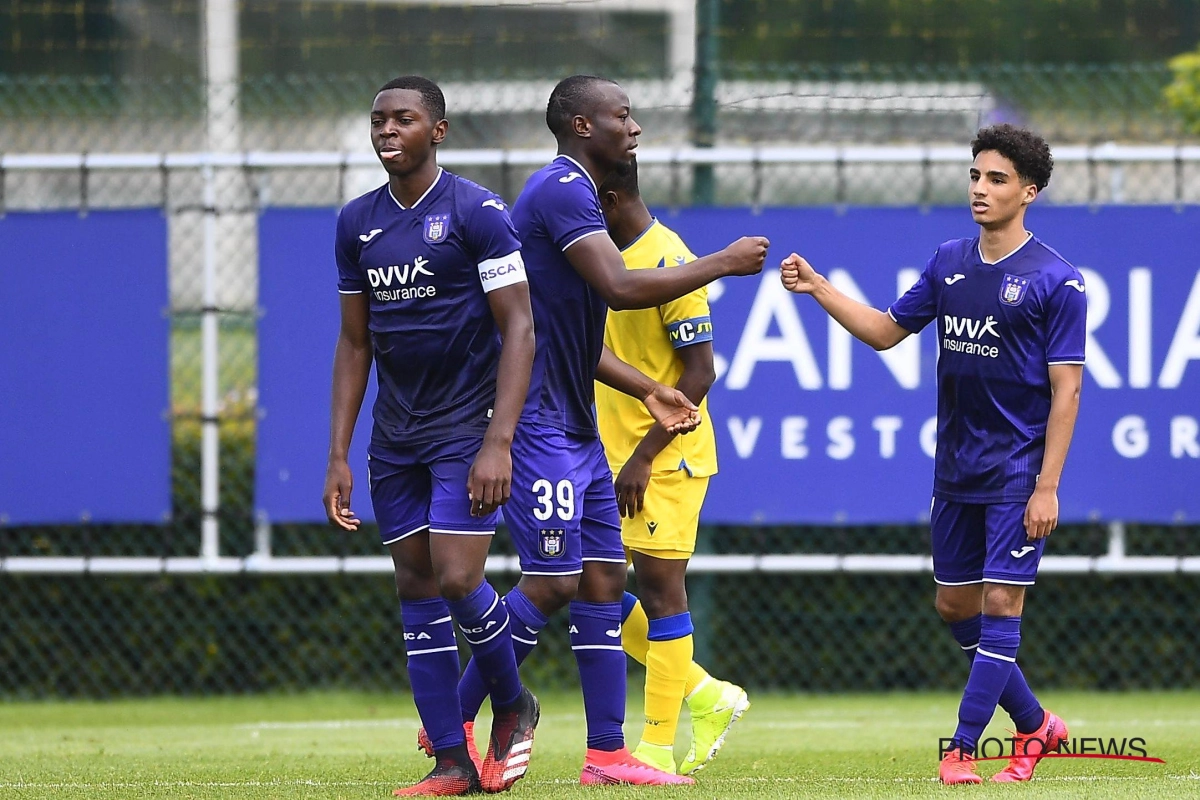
(647, 339)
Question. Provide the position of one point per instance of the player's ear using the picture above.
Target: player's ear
(609, 202)
(581, 126)
(439, 131)
(1031, 193)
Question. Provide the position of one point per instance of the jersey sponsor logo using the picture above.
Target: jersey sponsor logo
(1012, 289)
(569, 177)
(366, 237)
(689, 331)
(402, 275)
(1076, 285)
(492, 202)
(1024, 551)
(955, 278)
(550, 542)
(437, 228)
(974, 330)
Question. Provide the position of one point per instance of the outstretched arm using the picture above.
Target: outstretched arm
(697, 378)
(351, 369)
(599, 262)
(865, 323)
(670, 407)
(489, 482)
(1041, 513)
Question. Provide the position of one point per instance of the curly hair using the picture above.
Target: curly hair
(1028, 152)
(431, 93)
(572, 97)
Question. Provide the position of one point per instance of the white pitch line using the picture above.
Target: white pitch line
(329, 724)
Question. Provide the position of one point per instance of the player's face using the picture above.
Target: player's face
(403, 132)
(997, 194)
(614, 138)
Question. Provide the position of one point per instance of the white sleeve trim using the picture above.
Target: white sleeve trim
(893, 316)
(581, 238)
(1056, 363)
(351, 291)
(496, 273)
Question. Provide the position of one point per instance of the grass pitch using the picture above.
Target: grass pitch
(362, 746)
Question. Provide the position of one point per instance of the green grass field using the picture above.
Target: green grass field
(362, 746)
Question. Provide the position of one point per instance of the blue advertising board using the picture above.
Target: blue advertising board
(812, 426)
(84, 334)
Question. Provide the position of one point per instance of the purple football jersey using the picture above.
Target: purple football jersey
(1000, 326)
(427, 270)
(558, 207)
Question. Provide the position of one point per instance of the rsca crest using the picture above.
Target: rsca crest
(551, 542)
(437, 228)
(1012, 289)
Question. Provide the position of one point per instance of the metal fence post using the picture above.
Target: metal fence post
(210, 499)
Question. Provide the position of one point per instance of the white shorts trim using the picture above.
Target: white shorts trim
(607, 560)
(417, 529)
(554, 574)
(581, 238)
(1008, 582)
(960, 583)
(990, 654)
(492, 532)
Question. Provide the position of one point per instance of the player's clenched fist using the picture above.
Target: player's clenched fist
(797, 274)
(747, 255)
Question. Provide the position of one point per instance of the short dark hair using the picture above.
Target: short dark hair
(1028, 152)
(622, 180)
(431, 93)
(572, 97)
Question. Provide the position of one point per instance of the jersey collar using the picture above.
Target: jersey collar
(1017, 249)
(437, 179)
(586, 174)
(638, 238)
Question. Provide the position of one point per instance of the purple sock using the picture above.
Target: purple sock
(1017, 698)
(484, 622)
(526, 622)
(999, 639)
(596, 642)
(432, 665)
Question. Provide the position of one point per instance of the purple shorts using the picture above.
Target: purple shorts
(975, 543)
(563, 509)
(425, 486)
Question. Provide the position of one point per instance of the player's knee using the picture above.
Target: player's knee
(414, 584)
(456, 583)
(603, 581)
(662, 601)
(952, 609)
(549, 593)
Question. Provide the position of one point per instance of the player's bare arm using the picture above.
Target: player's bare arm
(489, 482)
(351, 369)
(670, 407)
(1041, 513)
(599, 262)
(869, 325)
(698, 376)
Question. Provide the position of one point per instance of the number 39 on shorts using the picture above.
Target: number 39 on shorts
(554, 499)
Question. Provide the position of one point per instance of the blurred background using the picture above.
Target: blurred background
(176, 151)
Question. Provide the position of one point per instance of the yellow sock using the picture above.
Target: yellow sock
(634, 630)
(666, 673)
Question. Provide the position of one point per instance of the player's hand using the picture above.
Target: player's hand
(489, 483)
(797, 275)
(671, 409)
(631, 485)
(747, 254)
(339, 482)
(1041, 514)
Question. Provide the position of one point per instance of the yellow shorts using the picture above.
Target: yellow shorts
(666, 526)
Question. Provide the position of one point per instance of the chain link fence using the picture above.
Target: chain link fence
(84, 634)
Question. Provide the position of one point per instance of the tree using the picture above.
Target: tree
(1183, 93)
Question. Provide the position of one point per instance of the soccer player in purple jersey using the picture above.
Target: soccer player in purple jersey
(1011, 316)
(563, 514)
(433, 289)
